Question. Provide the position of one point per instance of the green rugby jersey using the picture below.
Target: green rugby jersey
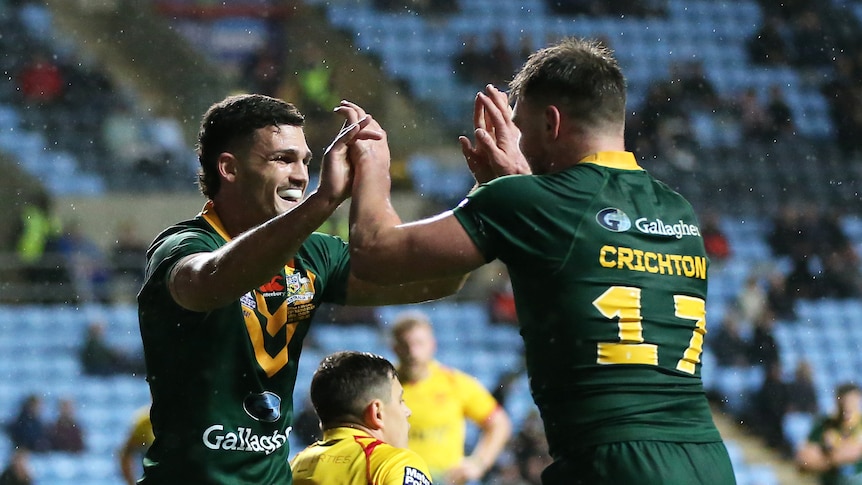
(222, 381)
(609, 274)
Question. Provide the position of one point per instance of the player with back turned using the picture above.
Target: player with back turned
(607, 265)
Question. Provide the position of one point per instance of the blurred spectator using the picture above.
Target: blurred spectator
(129, 257)
(136, 443)
(264, 71)
(65, 434)
(770, 404)
(501, 60)
(823, 261)
(764, 347)
(801, 392)
(317, 97)
(769, 46)
(781, 125)
(434, 7)
(833, 449)
(780, 302)
(811, 42)
(100, 359)
(663, 128)
(751, 299)
(614, 8)
(525, 48)
(28, 429)
(785, 237)
(716, 243)
(86, 263)
(471, 63)
(728, 345)
(442, 401)
(755, 121)
(692, 88)
(36, 236)
(845, 103)
(791, 238)
(40, 80)
(17, 472)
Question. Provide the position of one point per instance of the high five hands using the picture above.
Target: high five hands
(495, 151)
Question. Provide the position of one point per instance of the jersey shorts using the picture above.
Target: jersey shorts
(644, 463)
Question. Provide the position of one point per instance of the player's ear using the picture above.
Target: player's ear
(553, 121)
(374, 414)
(227, 165)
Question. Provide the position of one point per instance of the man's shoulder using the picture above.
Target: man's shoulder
(386, 459)
(196, 228)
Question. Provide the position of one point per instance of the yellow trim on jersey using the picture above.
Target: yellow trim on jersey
(620, 160)
(213, 219)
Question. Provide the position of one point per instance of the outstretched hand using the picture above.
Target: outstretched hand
(370, 144)
(336, 175)
(495, 151)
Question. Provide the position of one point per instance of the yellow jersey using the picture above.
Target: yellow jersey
(440, 404)
(349, 456)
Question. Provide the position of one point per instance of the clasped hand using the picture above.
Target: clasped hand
(359, 133)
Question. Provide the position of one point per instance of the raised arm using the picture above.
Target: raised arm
(386, 251)
(208, 280)
(383, 249)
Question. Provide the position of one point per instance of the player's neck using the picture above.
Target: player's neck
(414, 372)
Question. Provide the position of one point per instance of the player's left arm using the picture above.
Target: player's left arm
(366, 293)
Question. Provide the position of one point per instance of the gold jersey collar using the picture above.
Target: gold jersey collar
(620, 160)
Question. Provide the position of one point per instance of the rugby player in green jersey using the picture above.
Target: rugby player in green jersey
(229, 294)
(607, 265)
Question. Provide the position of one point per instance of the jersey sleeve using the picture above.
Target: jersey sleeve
(329, 258)
(479, 404)
(168, 250)
(514, 218)
(397, 466)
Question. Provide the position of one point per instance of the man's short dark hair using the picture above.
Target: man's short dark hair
(345, 382)
(846, 388)
(229, 126)
(580, 76)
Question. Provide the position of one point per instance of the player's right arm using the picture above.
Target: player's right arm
(208, 280)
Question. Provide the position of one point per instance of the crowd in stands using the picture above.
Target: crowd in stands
(32, 431)
(60, 262)
(802, 241)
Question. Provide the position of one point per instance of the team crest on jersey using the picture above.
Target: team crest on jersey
(298, 288)
(264, 406)
(614, 220)
(413, 476)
